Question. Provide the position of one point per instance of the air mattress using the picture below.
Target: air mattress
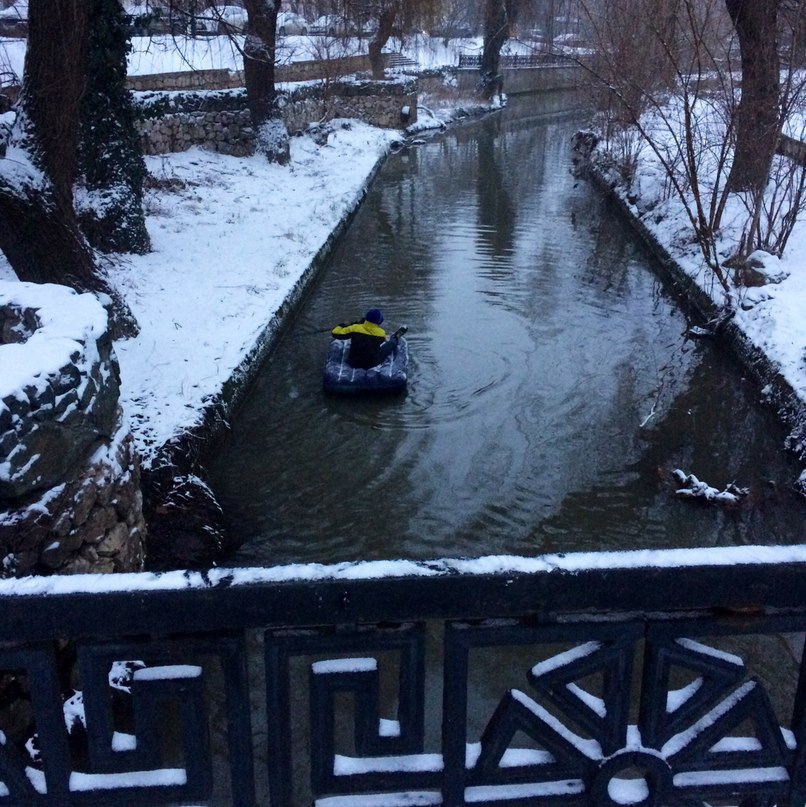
(340, 378)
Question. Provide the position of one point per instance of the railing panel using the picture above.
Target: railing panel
(659, 678)
(518, 60)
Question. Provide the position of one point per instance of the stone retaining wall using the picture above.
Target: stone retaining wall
(219, 120)
(70, 496)
(223, 79)
(185, 80)
(228, 132)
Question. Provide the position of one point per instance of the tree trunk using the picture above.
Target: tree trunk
(386, 23)
(496, 33)
(110, 156)
(39, 232)
(758, 115)
(258, 68)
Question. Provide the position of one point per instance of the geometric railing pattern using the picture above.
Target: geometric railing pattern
(714, 738)
(436, 684)
(519, 60)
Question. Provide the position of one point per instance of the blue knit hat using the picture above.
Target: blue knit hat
(374, 315)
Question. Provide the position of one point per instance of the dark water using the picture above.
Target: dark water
(552, 387)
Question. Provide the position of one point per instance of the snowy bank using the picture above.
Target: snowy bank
(234, 240)
(764, 325)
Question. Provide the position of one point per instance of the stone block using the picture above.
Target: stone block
(114, 542)
(100, 521)
(53, 555)
(68, 378)
(81, 565)
(83, 501)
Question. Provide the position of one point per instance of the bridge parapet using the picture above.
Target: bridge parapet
(588, 679)
(526, 73)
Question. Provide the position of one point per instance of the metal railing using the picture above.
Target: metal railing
(651, 678)
(514, 60)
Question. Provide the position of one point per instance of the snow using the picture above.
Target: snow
(163, 777)
(410, 763)
(167, 672)
(734, 777)
(68, 322)
(388, 728)
(484, 793)
(567, 657)
(373, 570)
(684, 738)
(231, 239)
(586, 747)
(338, 666)
(410, 798)
(707, 650)
(679, 697)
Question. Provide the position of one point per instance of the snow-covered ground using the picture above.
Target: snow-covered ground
(772, 315)
(231, 236)
(168, 54)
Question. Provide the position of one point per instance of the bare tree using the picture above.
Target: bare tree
(258, 61)
(671, 92)
(676, 96)
(39, 230)
(393, 17)
(785, 200)
(758, 114)
(387, 14)
(496, 33)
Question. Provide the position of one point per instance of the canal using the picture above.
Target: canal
(553, 388)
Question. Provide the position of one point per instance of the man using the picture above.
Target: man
(368, 343)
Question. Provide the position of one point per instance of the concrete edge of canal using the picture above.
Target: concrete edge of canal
(186, 529)
(776, 390)
(196, 525)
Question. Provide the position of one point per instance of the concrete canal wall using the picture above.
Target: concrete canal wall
(517, 81)
(777, 391)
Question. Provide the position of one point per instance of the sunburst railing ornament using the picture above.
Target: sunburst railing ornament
(649, 679)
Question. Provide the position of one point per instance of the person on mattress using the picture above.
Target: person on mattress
(368, 343)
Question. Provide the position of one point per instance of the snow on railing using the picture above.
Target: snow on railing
(649, 676)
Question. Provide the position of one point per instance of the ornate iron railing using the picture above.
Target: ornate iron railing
(517, 60)
(644, 678)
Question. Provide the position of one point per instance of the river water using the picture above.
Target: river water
(553, 389)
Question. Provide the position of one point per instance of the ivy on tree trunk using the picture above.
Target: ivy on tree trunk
(111, 161)
(39, 230)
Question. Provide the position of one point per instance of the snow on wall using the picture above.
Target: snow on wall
(69, 480)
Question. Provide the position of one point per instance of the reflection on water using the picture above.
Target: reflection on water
(552, 391)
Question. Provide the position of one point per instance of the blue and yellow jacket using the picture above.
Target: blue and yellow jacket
(366, 339)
